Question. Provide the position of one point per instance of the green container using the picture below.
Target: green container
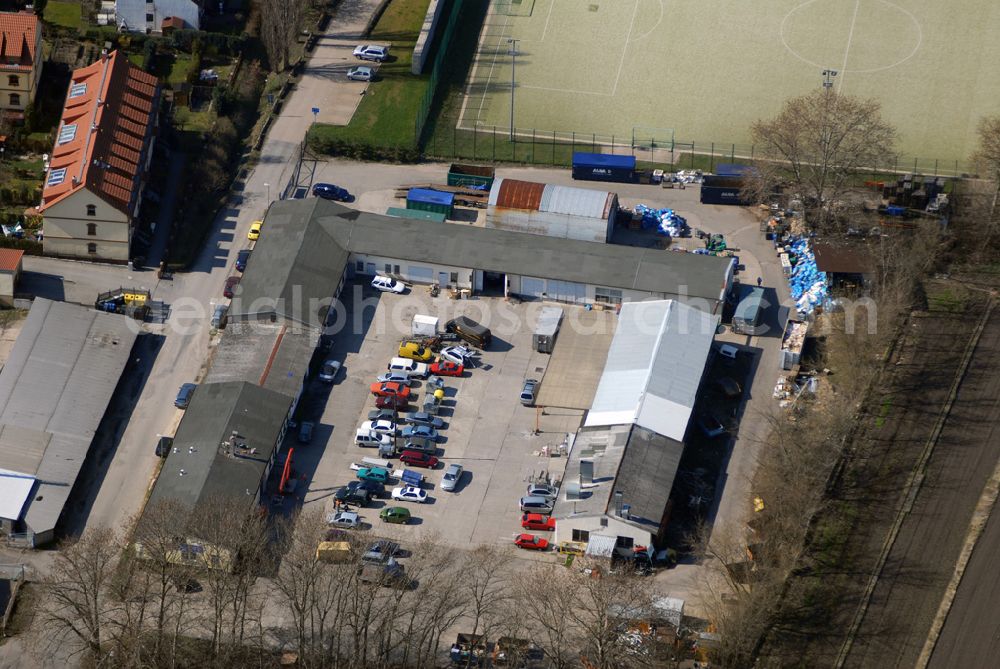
(471, 175)
(427, 199)
(416, 214)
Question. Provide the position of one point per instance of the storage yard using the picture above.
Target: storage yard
(580, 64)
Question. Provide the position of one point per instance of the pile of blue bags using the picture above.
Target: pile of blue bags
(807, 283)
(665, 221)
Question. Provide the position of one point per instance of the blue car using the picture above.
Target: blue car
(419, 432)
(241, 259)
(331, 192)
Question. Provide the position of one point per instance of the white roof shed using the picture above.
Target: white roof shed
(654, 367)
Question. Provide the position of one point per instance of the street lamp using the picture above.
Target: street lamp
(828, 76)
(513, 57)
(268, 187)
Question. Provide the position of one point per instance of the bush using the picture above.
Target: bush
(29, 246)
(360, 150)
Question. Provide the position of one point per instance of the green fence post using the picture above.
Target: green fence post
(475, 137)
(692, 155)
(494, 143)
(612, 143)
(751, 155)
(935, 166)
(532, 146)
(732, 154)
(553, 147)
(711, 161)
(593, 143)
(454, 140)
(574, 144)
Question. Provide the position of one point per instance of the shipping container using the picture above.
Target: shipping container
(733, 170)
(424, 326)
(417, 214)
(749, 312)
(721, 195)
(544, 338)
(425, 199)
(604, 167)
(471, 175)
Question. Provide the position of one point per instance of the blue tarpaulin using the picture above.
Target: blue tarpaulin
(430, 196)
(807, 283)
(665, 221)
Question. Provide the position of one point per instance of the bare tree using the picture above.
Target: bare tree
(279, 26)
(820, 142)
(987, 159)
(543, 596)
(78, 603)
(486, 586)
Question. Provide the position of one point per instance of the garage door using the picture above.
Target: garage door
(532, 287)
(420, 274)
(566, 291)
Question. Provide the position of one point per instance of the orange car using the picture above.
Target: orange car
(390, 389)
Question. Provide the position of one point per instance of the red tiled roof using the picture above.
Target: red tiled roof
(10, 259)
(18, 37)
(111, 116)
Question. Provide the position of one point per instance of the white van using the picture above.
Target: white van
(365, 437)
(409, 367)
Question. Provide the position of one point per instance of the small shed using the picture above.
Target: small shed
(10, 273)
(425, 199)
(544, 338)
(843, 265)
(554, 211)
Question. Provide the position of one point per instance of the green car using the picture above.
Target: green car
(395, 514)
(376, 474)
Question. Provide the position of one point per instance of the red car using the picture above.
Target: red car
(418, 459)
(390, 389)
(446, 368)
(392, 402)
(231, 284)
(531, 543)
(536, 521)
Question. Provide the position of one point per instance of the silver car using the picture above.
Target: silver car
(361, 73)
(451, 477)
(542, 490)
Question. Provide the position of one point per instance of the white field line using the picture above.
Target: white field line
(489, 77)
(847, 49)
(547, 17)
(565, 90)
(475, 70)
(621, 63)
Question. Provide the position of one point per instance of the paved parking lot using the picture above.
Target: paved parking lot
(487, 429)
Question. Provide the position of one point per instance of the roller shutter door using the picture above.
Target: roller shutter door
(566, 291)
(420, 274)
(532, 287)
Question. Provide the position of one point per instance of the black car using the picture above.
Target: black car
(163, 446)
(359, 492)
(241, 259)
(331, 192)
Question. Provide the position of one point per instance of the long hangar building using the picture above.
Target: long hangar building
(485, 260)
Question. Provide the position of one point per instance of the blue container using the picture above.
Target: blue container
(425, 199)
(604, 167)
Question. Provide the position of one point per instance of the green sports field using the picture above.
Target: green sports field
(705, 69)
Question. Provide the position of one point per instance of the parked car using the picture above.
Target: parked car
(361, 73)
(531, 542)
(383, 414)
(390, 574)
(529, 391)
(471, 331)
(420, 432)
(395, 514)
(536, 521)
(460, 355)
(418, 459)
(409, 493)
(254, 233)
(373, 52)
(542, 490)
(452, 476)
(331, 192)
(184, 395)
(241, 259)
(377, 474)
(395, 402)
(306, 428)
(395, 377)
(380, 427)
(447, 368)
(711, 426)
(329, 371)
(412, 368)
(354, 493)
(420, 446)
(541, 505)
(220, 316)
(230, 286)
(388, 285)
(346, 520)
(369, 438)
(394, 389)
(163, 446)
(415, 351)
(380, 551)
(423, 418)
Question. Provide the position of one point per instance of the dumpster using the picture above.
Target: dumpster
(425, 199)
(477, 176)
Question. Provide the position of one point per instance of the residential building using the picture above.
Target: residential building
(97, 170)
(20, 62)
(555, 211)
(616, 489)
(153, 16)
(10, 273)
(54, 390)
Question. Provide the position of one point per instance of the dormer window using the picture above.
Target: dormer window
(56, 177)
(76, 90)
(67, 133)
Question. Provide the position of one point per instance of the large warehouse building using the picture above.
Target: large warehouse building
(54, 390)
(554, 211)
(616, 489)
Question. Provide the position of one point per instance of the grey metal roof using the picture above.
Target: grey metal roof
(577, 201)
(215, 411)
(295, 264)
(605, 446)
(489, 249)
(654, 367)
(274, 356)
(57, 382)
(647, 473)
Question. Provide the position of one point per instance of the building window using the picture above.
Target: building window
(454, 278)
(624, 543)
(13, 80)
(388, 268)
(91, 210)
(395, 269)
(149, 18)
(583, 536)
(92, 229)
(15, 99)
(91, 247)
(359, 266)
(608, 295)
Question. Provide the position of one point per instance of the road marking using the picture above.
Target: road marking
(847, 49)
(628, 37)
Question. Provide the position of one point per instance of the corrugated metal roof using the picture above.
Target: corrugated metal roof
(599, 545)
(272, 355)
(58, 379)
(577, 201)
(21, 449)
(654, 367)
(514, 194)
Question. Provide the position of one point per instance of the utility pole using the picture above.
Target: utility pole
(513, 57)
